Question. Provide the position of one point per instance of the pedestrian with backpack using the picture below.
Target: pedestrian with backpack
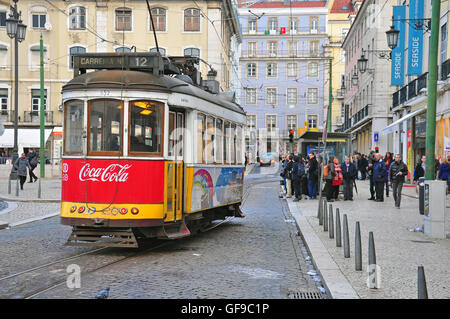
(298, 172)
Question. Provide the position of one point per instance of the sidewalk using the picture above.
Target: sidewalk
(50, 190)
(399, 251)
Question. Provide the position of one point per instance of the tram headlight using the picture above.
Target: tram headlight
(134, 210)
(81, 209)
(123, 210)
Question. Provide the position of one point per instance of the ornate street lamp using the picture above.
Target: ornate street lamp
(362, 63)
(16, 30)
(392, 37)
(355, 79)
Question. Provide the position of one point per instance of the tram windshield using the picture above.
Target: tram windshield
(73, 126)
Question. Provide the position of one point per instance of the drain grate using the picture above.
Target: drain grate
(305, 295)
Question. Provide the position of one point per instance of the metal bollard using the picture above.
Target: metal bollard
(331, 223)
(17, 187)
(39, 189)
(338, 229)
(9, 185)
(346, 238)
(321, 204)
(373, 280)
(325, 219)
(319, 211)
(422, 292)
(358, 253)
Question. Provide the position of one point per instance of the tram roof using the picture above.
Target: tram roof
(137, 80)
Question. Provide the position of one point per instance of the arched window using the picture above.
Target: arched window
(159, 19)
(162, 51)
(77, 16)
(123, 49)
(192, 20)
(75, 50)
(123, 19)
(192, 52)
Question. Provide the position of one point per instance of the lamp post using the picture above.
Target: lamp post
(16, 30)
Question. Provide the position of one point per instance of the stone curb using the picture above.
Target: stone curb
(335, 281)
(36, 200)
(30, 220)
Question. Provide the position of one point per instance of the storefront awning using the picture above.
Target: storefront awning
(25, 137)
(391, 127)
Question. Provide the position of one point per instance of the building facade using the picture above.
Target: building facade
(196, 28)
(283, 68)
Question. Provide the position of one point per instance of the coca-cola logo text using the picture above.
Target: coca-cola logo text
(112, 173)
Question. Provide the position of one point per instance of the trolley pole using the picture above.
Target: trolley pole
(430, 142)
(42, 111)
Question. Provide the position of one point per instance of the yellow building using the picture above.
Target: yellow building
(338, 26)
(197, 28)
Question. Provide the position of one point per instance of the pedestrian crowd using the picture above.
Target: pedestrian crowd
(385, 173)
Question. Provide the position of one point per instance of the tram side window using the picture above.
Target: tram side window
(227, 142)
(239, 144)
(219, 141)
(200, 138)
(105, 126)
(210, 139)
(172, 133)
(73, 127)
(146, 127)
(233, 144)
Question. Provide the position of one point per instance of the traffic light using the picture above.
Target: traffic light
(377, 149)
(291, 136)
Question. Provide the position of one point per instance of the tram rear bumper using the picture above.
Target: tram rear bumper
(106, 222)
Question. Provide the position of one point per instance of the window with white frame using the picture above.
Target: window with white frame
(292, 68)
(314, 47)
(292, 47)
(192, 52)
(272, 47)
(250, 96)
(251, 48)
(123, 19)
(35, 57)
(192, 20)
(293, 23)
(252, 24)
(36, 100)
(291, 122)
(292, 96)
(312, 95)
(77, 18)
(313, 69)
(251, 70)
(272, 69)
(314, 24)
(271, 122)
(273, 24)
(312, 121)
(73, 51)
(3, 56)
(3, 99)
(38, 17)
(162, 51)
(3, 18)
(159, 19)
(271, 96)
(251, 121)
(122, 49)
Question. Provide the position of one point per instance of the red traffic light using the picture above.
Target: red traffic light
(291, 131)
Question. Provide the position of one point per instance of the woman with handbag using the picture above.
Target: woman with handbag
(337, 179)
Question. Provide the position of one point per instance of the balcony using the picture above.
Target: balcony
(282, 32)
(409, 91)
(445, 70)
(358, 117)
(283, 53)
(6, 116)
(34, 117)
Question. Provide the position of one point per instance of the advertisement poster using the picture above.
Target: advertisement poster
(415, 39)
(398, 54)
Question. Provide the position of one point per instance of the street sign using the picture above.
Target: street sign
(375, 136)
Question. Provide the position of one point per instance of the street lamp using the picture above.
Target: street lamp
(355, 79)
(16, 30)
(362, 63)
(392, 37)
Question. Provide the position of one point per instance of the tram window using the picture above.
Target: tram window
(239, 144)
(200, 138)
(210, 139)
(233, 144)
(105, 126)
(227, 142)
(219, 141)
(73, 127)
(180, 129)
(171, 133)
(145, 127)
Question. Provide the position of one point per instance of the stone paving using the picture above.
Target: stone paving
(399, 251)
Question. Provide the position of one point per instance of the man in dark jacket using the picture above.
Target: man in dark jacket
(397, 174)
(33, 160)
(370, 162)
(379, 177)
(298, 171)
(349, 173)
(312, 176)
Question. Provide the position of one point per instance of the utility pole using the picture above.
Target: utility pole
(430, 142)
(330, 99)
(42, 111)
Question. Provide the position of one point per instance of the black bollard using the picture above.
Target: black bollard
(319, 211)
(9, 185)
(346, 238)
(321, 204)
(338, 229)
(421, 284)
(373, 271)
(325, 219)
(358, 254)
(331, 223)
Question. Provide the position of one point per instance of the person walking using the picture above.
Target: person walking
(288, 175)
(298, 171)
(329, 173)
(444, 169)
(337, 179)
(379, 177)
(22, 165)
(387, 162)
(33, 160)
(419, 171)
(397, 173)
(312, 176)
(349, 174)
(362, 166)
(370, 162)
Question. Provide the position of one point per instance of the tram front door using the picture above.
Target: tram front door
(173, 202)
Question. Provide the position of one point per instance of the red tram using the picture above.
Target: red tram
(150, 150)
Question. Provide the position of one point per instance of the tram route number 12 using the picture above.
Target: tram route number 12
(141, 61)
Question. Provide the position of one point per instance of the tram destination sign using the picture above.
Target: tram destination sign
(147, 61)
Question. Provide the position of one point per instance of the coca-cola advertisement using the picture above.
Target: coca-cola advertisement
(112, 181)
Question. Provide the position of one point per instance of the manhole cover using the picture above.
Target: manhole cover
(305, 295)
